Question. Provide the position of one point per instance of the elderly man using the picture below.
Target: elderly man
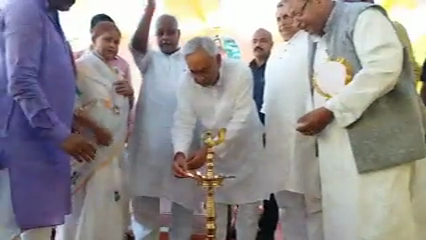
(37, 93)
(150, 146)
(287, 97)
(367, 119)
(218, 94)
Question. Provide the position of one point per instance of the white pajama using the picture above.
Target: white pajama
(146, 220)
(37, 234)
(68, 231)
(300, 217)
(246, 223)
(8, 228)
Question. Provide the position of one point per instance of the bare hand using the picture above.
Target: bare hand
(124, 88)
(76, 128)
(151, 4)
(103, 136)
(198, 159)
(315, 121)
(79, 148)
(179, 166)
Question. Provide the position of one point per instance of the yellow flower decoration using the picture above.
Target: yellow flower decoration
(348, 77)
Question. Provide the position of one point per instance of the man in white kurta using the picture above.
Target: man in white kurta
(150, 146)
(287, 97)
(376, 205)
(217, 94)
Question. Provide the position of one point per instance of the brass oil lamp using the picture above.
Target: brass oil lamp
(210, 180)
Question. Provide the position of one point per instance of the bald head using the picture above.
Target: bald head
(262, 44)
(261, 32)
(167, 19)
(168, 33)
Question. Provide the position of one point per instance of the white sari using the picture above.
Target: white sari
(97, 187)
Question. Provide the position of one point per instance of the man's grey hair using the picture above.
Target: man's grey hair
(205, 43)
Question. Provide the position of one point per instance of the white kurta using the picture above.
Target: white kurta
(150, 146)
(294, 166)
(229, 105)
(372, 206)
(287, 97)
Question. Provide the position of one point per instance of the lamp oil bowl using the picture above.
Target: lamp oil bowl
(210, 180)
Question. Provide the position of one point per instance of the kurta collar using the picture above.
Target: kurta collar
(296, 36)
(253, 64)
(178, 53)
(285, 45)
(336, 8)
(221, 77)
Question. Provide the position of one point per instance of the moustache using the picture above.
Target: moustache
(258, 48)
(165, 42)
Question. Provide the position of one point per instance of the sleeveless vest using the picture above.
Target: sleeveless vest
(391, 131)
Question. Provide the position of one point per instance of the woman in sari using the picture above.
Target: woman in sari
(103, 107)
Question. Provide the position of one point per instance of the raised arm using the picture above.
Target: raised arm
(23, 45)
(140, 38)
(381, 58)
(139, 43)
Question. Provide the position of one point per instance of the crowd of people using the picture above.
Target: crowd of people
(324, 129)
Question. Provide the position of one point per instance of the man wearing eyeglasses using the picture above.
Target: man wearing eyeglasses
(367, 120)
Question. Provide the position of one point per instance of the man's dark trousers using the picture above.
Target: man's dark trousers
(269, 220)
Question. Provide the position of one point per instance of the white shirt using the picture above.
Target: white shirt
(150, 145)
(228, 104)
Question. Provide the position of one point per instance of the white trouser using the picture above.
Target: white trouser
(8, 228)
(68, 230)
(297, 222)
(246, 223)
(146, 220)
